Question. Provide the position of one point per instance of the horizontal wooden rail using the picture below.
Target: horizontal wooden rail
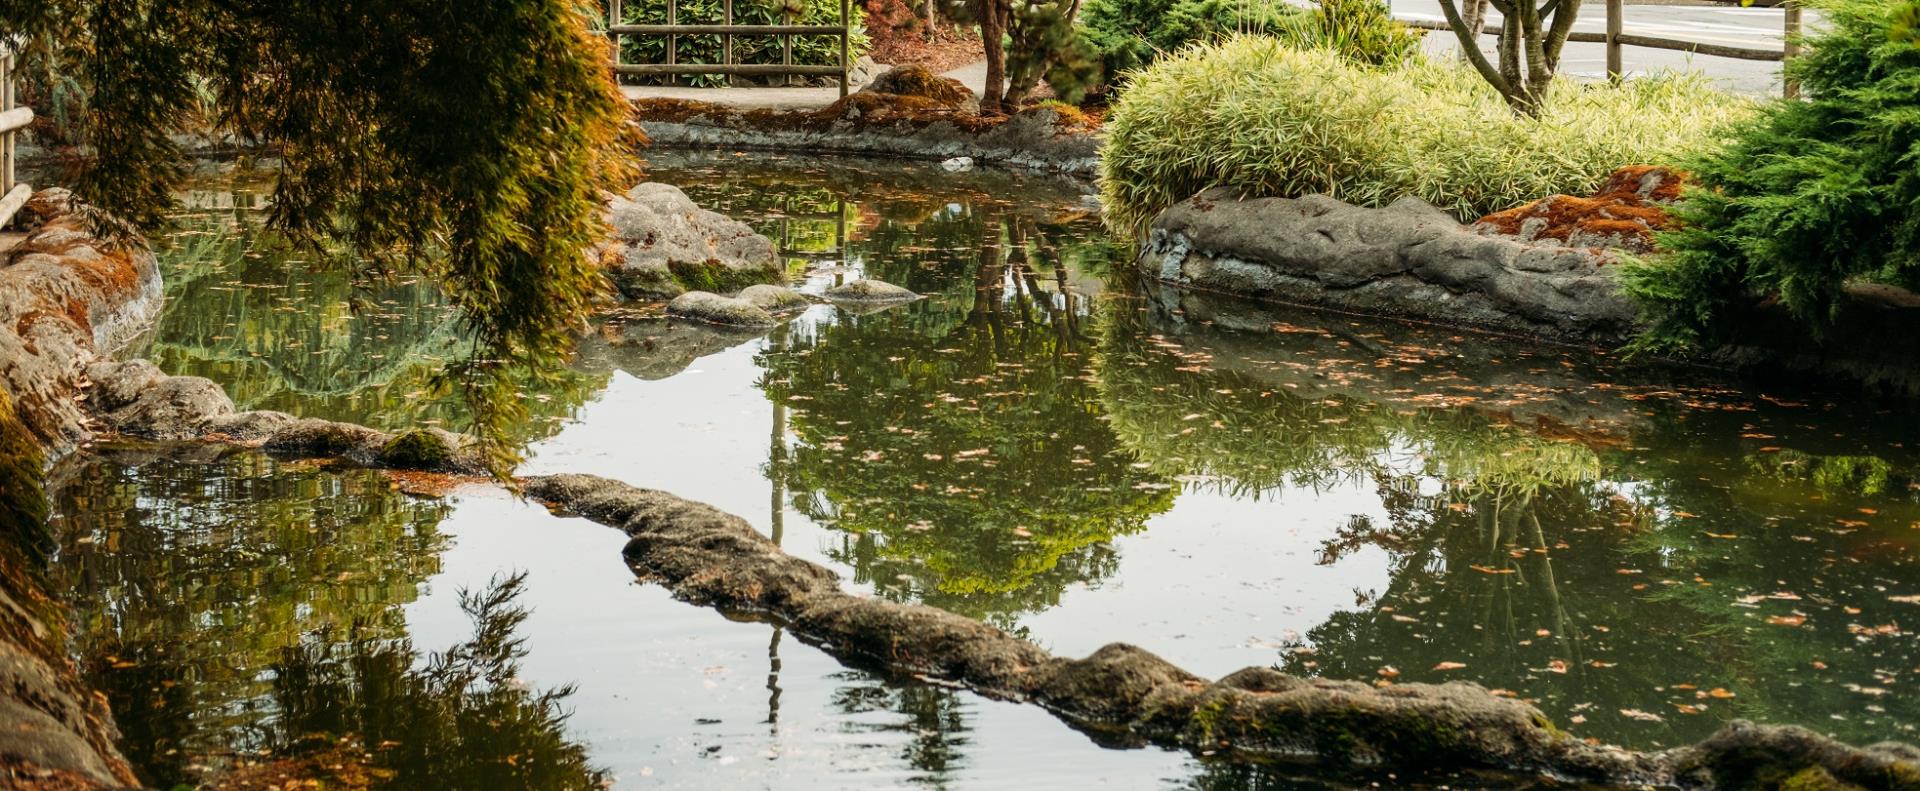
(742, 69)
(1635, 40)
(734, 30)
(15, 119)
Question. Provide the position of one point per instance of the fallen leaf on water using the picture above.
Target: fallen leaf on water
(1449, 666)
(1644, 716)
(1786, 620)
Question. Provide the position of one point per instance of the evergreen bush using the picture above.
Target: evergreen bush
(1809, 196)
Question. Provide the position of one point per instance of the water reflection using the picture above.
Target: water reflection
(1645, 561)
(281, 329)
(187, 581)
(957, 441)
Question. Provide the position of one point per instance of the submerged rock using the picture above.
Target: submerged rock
(774, 299)
(664, 245)
(1406, 260)
(870, 291)
(716, 309)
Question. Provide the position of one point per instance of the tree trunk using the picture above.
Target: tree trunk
(1528, 53)
(992, 30)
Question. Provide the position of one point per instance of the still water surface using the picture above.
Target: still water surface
(1043, 444)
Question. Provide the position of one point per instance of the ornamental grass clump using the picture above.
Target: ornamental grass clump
(1267, 119)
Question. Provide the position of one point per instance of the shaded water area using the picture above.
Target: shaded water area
(1045, 444)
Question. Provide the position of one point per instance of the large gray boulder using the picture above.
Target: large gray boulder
(1408, 259)
(664, 244)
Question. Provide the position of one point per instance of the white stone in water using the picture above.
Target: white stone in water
(958, 164)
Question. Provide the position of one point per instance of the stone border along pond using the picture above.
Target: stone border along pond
(1120, 695)
(906, 112)
(1411, 260)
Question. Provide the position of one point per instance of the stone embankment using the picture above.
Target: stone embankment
(1407, 260)
(67, 297)
(1545, 271)
(930, 118)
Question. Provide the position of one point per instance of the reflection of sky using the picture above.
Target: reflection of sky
(671, 695)
(1214, 585)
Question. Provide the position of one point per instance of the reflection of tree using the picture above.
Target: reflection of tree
(281, 331)
(960, 445)
(186, 581)
(1644, 588)
(458, 720)
(933, 716)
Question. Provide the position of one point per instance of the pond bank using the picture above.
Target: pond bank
(1410, 260)
(1038, 138)
(66, 297)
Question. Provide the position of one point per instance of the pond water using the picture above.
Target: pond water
(1044, 444)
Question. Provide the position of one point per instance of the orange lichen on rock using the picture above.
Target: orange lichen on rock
(1624, 213)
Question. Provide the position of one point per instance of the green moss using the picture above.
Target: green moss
(1814, 778)
(417, 449)
(718, 278)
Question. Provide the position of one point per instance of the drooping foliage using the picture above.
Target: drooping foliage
(467, 142)
(1809, 196)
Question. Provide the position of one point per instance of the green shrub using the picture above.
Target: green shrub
(807, 50)
(1268, 119)
(1125, 36)
(1362, 31)
(1810, 194)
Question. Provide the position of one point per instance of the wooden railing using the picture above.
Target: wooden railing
(1618, 39)
(13, 119)
(673, 69)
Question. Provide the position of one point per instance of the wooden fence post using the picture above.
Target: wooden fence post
(13, 120)
(846, 44)
(726, 41)
(6, 103)
(673, 41)
(1789, 86)
(615, 17)
(786, 48)
(1616, 13)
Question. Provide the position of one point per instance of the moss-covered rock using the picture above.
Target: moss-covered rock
(871, 292)
(724, 311)
(664, 244)
(774, 299)
(917, 81)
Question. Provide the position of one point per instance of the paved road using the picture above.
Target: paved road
(1759, 28)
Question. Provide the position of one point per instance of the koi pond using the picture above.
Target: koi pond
(1045, 444)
